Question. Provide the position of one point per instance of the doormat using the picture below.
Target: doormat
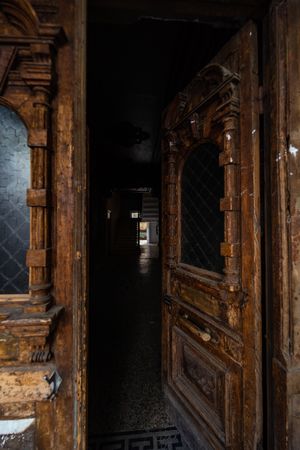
(158, 439)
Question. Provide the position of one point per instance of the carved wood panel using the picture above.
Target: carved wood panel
(209, 386)
(212, 343)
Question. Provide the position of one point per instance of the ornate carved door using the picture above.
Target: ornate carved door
(211, 262)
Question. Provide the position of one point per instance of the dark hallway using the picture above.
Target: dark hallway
(129, 347)
(144, 63)
(125, 381)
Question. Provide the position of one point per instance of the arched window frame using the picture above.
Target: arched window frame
(181, 167)
(27, 86)
(212, 115)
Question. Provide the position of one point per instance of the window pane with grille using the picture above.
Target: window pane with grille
(14, 214)
(202, 223)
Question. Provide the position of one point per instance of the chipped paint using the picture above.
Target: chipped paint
(15, 426)
(17, 384)
(228, 136)
(253, 131)
(293, 150)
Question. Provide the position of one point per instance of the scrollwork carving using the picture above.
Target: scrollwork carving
(207, 83)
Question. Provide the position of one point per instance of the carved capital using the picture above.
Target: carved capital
(26, 334)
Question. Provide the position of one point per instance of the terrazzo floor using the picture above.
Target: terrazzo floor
(125, 331)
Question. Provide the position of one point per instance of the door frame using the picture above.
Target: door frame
(282, 118)
(280, 28)
(80, 238)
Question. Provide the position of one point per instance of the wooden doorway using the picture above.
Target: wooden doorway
(221, 89)
(41, 42)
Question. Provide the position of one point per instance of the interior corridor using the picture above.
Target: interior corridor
(125, 352)
(145, 62)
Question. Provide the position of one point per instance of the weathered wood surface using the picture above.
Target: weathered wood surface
(30, 42)
(27, 70)
(212, 322)
(282, 118)
(20, 386)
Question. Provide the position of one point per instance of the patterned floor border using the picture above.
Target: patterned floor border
(157, 439)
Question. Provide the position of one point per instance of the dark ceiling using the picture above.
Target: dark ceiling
(135, 67)
(212, 11)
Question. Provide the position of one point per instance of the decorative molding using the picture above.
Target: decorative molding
(29, 88)
(208, 109)
(213, 80)
(27, 85)
(21, 15)
(26, 336)
(7, 56)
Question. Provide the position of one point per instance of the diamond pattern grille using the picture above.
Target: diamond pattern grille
(202, 223)
(14, 214)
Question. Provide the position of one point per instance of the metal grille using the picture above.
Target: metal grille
(14, 214)
(202, 223)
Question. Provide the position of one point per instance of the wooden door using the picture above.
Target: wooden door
(211, 252)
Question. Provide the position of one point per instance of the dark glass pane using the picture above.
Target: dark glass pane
(202, 223)
(14, 214)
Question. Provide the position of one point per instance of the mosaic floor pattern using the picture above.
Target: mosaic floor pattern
(158, 439)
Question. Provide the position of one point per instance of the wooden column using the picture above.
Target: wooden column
(171, 201)
(230, 204)
(39, 194)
